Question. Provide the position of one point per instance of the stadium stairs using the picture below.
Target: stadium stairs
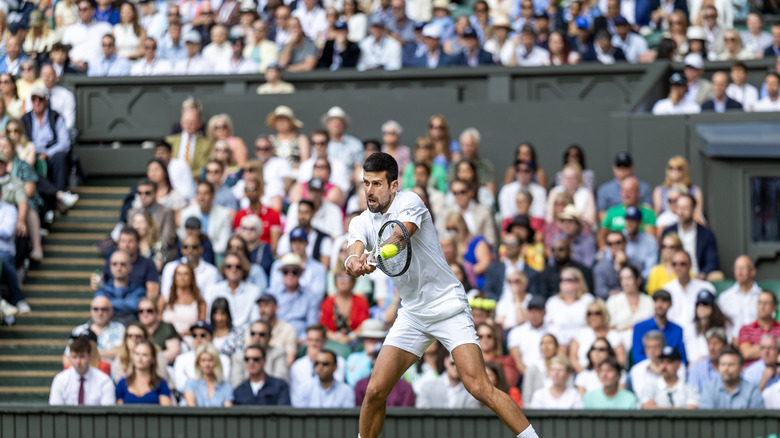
(58, 291)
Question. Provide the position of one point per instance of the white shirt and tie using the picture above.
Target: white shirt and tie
(98, 388)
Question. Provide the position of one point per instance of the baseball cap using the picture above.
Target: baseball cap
(621, 21)
(705, 297)
(431, 31)
(316, 184)
(376, 20)
(192, 222)
(633, 213)
(275, 65)
(469, 32)
(542, 14)
(40, 92)
(570, 212)
(694, 60)
(341, 25)
(528, 29)
(87, 334)
(203, 325)
(193, 37)
(623, 159)
(299, 233)
(670, 352)
(266, 298)
(677, 79)
(537, 302)
(662, 294)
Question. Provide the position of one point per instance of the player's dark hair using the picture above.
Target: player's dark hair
(381, 161)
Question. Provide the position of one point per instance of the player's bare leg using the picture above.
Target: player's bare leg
(471, 367)
(390, 366)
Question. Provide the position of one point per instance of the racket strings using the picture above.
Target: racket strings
(395, 264)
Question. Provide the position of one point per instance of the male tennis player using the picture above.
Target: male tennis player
(434, 304)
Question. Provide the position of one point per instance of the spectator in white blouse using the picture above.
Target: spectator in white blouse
(559, 395)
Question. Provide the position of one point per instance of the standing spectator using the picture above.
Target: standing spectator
(672, 332)
(559, 395)
(739, 89)
(82, 384)
(611, 396)
(299, 53)
(772, 100)
(550, 279)
(209, 388)
(684, 290)
(763, 372)
(750, 334)
(110, 64)
(705, 370)
(446, 391)
(605, 271)
(730, 391)
(217, 220)
(740, 301)
(325, 391)
(379, 51)
(609, 193)
(670, 391)
(84, 37)
(8, 226)
(260, 389)
(235, 289)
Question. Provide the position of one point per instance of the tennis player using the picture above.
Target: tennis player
(434, 304)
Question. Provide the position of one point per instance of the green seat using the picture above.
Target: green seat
(41, 167)
(722, 285)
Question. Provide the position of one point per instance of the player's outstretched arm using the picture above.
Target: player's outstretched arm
(356, 260)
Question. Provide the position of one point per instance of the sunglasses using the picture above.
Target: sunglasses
(602, 349)
(232, 266)
(261, 334)
(135, 336)
(145, 193)
(252, 359)
(295, 272)
(324, 364)
(615, 243)
(200, 335)
(460, 192)
(570, 280)
(594, 313)
(675, 264)
(190, 246)
(101, 309)
(213, 171)
(142, 311)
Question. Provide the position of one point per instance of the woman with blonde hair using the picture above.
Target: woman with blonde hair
(559, 395)
(220, 127)
(143, 385)
(597, 326)
(289, 144)
(149, 244)
(572, 183)
(735, 50)
(66, 12)
(446, 150)
(14, 129)
(209, 389)
(677, 172)
(40, 37)
(28, 79)
(567, 310)
(663, 272)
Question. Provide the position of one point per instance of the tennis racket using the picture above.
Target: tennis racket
(394, 233)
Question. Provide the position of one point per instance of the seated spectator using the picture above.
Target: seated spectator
(672, 332)
(577, 232)
(629, 306)
(320, 170)
(446, 391)
(573, 183)
(705, 370)
(228, 338)
(756, 39)
(474, 250)
(257, 270)
(772, 100)
(339, 175)
(770, 393)
(739, 89)
(273, 81)
(446, 149)
(684, 290)
(318, 243)
(343, 313)
(720, 102)
(605, 272)
(235, 289)
(597, 327)
(734, 50)
(95, 359)
(184, 305)
(150, 244)
(109, 333)
(270, 220)
(81, 384)
(730, 391)
(566, 311)
(324, 390)
(610, 193)
(223, 196)
(490, 341)
(500, 45)
(740, 302)
(750, 334)
(143, 385)
(172, 46)
(288, 142)
(218, 51)
(260, 389)
(550, 279)
(274, 358)
(559, 395)
(436, 174)
(185, 364)
(302, 371)
(314, 274)
(588, 379)
(603, 51)
(205, 274)
(259, 48)
(209, 388)
(145, 201)
(433, 56)
(513, 293)
(663, 273)
(478, 174)
(327, 216)
(339, 52)
(610, 396)
(707, 315)
(481, 222)
(527, 53)
(763, 372)
(670, 391)
(219, 218)
(123, 363)
(162, 333)
(109, 64)
(28, 79)
(193, 63)
(190, 145)
(428, 367)
(676, 103)
(647, 372)
(472, 54)
(532, 249)
(523, 341)
(524, 181)
(703, 248)
(179, 177)
(537, 374)
(553, 229)
(150, 64)
(123, 294)
(615, 217)
(401, 395)
(360, 363)
(298, 305)
(283, 335)
(299, 53)
(143, 271)
(632, 44)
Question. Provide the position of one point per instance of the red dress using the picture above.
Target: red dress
(335, 322)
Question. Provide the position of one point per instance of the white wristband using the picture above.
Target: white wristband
(349, 257)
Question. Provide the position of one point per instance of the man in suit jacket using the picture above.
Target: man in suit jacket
(165, 217)
(434, 56)
(720, 102)
(446, 391)
(260, 389)
(217, 220)
(496, 271)
(347, 51)
(189, 146)
(473, 55)
(477, 216)
(774, 49)
(704, 249)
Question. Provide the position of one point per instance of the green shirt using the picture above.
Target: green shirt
(596, 399)
(437, 180)
(13, 190)
(615, 218)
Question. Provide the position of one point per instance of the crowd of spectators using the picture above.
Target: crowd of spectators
(224, 282)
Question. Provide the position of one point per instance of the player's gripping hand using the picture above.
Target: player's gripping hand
(357, 266)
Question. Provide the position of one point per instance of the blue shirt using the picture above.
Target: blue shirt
(359, 365)
(643, 250)
(339, 395)
(222, 393)
(754, 371)
(8, 217)
(150, 398)
(143, 271)
(299, 309)
(123, 299)
(715, 396)
(609, 194)
(110, 15)
(624, 399)
(702, 373)
(43, 133)
(672, 332)
(113, 66)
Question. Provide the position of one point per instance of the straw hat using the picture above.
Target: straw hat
(571, 212)
(336, 112)
(282, 111)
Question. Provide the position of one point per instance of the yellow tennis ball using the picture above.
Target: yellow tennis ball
(388, 251)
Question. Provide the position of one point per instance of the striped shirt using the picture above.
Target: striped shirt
(753, 332)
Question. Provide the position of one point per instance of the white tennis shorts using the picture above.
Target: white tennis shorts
(410, 333)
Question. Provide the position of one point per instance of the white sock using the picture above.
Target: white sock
(529, 432)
